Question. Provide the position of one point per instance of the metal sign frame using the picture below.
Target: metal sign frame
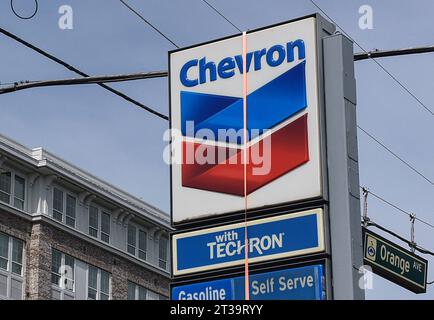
(340, 198)
(390, 274)
(323, 28)
(320, 248)
(319, 285)
(259, 268)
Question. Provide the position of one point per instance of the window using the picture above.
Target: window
(137, 241)
(62, 270)
(12, 189)
(4, 251)
(11, 267)
(19, 190)
(93, 221)
(142, 293)
(92, 290)
(105, 285)
(69, 273)
(105, 227)
(57, 204)
(99, 224)
(131, 291)
(136, 292)
(5, 187)
(98, 284)
(70, 211)
(56, 266)
(131, 244)
(162, 253)
(142, 244)
(17, 256)
(64, 205)
(11, 254)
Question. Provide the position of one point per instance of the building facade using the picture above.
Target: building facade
(65, 234)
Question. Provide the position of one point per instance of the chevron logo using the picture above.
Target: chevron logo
(277, 132)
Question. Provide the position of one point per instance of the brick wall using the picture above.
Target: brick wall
(40, 237)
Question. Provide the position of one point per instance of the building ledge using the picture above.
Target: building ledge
(85, 237)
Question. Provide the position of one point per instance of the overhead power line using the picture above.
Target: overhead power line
(363, 130)
(87, 80)
(376, 62)
(11, 83)
(396, 156)
(81, 73)
(221, 15)
(398, 208)
(26, 84)
(100, 80)
(357, 57)
(157, 74)
(391, 53)
(411, 244)
(368, 222)
(147, 22)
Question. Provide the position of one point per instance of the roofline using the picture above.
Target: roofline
(85, 237)
(40, 158)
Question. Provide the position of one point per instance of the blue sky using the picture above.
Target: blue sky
(122, 144)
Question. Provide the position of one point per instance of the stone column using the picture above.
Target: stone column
(38, 280)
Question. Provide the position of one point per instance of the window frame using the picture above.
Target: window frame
(8, 273)
(10, 259)
(166, 249)
(15, 198)
(98, 289)
(91, 207)
(137, 288)
(7, 257)
(128, 239)
(65, 195)
(55, 210)
(12, 194)
(136, 246)
(103, 233)
(100, 211)
(62, 276)
(74, 218)
(3, 192)
(139, 250)
(148, 291)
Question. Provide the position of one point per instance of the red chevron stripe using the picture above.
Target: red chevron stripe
(289, 150)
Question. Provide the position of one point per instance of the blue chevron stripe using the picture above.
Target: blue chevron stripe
(268, 106)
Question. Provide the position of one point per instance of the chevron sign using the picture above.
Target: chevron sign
(277, 152)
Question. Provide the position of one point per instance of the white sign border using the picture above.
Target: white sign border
(319, 212)
(322, 157)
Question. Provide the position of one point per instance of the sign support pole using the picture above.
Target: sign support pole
(343, 168)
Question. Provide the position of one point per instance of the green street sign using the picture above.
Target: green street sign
(394, 262)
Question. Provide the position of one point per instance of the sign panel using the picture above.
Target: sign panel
(304, 283)
(283, 124)
(394, 262)
(277, 237)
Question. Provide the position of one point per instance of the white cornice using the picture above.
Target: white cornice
(82, 236)
(40, 158)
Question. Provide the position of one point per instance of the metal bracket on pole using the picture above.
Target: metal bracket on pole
(413, 243)
(365, 207)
